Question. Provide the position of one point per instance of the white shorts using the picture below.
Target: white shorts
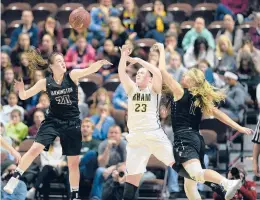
(140, 146)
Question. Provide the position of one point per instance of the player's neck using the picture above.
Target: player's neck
(58, 78)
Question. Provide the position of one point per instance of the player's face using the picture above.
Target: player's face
(186, 81)
(86, 129)
(38, 117)
(12, 100)
(143, 77)
(114, 133)
(59, 64)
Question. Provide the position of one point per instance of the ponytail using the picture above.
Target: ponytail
(36, 61)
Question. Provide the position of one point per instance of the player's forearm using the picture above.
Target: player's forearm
(225, 119)
(162, 63)
(154, 70)
(256, 152)
(22, 94)
(122, 68)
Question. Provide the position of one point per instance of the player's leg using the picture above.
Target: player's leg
(131, 186)
(191, 189)
(194, 169)
(74, 175)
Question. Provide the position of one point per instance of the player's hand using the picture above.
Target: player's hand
(132, 60)
(157, 46)
(256, 169)
(16, 155)
(19, 85)
(126, 50)
(97, 65)
(246, 130)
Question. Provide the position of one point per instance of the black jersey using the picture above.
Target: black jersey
(63, 98)
(184, 114)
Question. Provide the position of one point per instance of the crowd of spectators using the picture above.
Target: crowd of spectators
(230, 61)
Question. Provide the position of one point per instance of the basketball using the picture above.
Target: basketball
(79, 18)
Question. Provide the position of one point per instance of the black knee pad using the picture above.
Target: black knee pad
(129, 191)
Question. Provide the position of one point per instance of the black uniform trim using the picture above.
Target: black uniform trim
(256, 137)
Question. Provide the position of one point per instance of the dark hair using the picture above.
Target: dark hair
(197, 43)
(246, 39)
(37, 62)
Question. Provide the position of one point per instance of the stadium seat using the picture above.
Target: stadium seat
(142, 2)
(246, 26)
(119, 116)
(91, 83)
(93, 5)
(180, 11)
(25, 146)
(186, 26)
(14, 11)
(59, 3)
(96, 78)
(86, 3)
(66, 30)
(13, 25)
(114, 76)
(144, 9)
(111, 84)
(65, 10)
(204, 10)
(215, 26)
(42, 10)
(5, 2)
(145, 42)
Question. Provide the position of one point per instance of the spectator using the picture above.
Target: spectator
(171, 42)
(254, 31)
(198, 30)
(7, 170)
(5, 62)
(102, 120)
(53, 28)
(175, 67)
(117, 32)
(248, 189)
(100, 19)
(3, 34)
(47, 46)
(38, 117)
(199, 51)
(153, 57)
(7, 85)
(74, 34)
(80, 55)
(16, 129)
(174, 28)
(157, 22)
(208, 72)
(109, 53)
(36, 76)
(248, 58)
(89, 150)
(233, 32)
(23, 69)
(23, 45)
(225, 59)
(26, 27)
(12, 105)
(166, 120)
(230, 7)
(83, 107)
(52, 163)
(111, 152)
(131, 20)
(6, 153)
(235, 98)
(101, 96)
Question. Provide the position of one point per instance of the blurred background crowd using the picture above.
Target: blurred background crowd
(220, 37)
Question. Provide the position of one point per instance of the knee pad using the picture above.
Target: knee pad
(129, 191)
(196, 172)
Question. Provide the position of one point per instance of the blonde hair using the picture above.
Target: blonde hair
(87, 120)
(226, 40)
(121, 28)
(207, 95)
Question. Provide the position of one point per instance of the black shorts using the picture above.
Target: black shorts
(188, 144)
(69, 132)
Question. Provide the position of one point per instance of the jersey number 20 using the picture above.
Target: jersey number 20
(140, 107)
(65, 100)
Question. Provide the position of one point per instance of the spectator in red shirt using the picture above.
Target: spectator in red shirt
(38, 117)
(248, 189)
(80, 55)
(231, 7)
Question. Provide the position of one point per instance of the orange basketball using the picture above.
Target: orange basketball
(79, 19)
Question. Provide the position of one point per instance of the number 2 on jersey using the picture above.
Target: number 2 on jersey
(140, 107)
(65, 100)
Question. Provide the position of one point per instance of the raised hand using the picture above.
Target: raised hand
(16, 155)
(97, 65)
(126, 50)
(157, 46)
(19, 85)
(246, 130)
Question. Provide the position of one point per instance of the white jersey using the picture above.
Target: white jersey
(143, 110)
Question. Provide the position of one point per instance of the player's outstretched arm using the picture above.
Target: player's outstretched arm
(76, 74)
(25, 94)
(172, 84)
(157, 76)
(228, 121)
(126, 81)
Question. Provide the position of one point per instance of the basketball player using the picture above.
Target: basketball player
(145, 136)
(189, 102)
(63, 116)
